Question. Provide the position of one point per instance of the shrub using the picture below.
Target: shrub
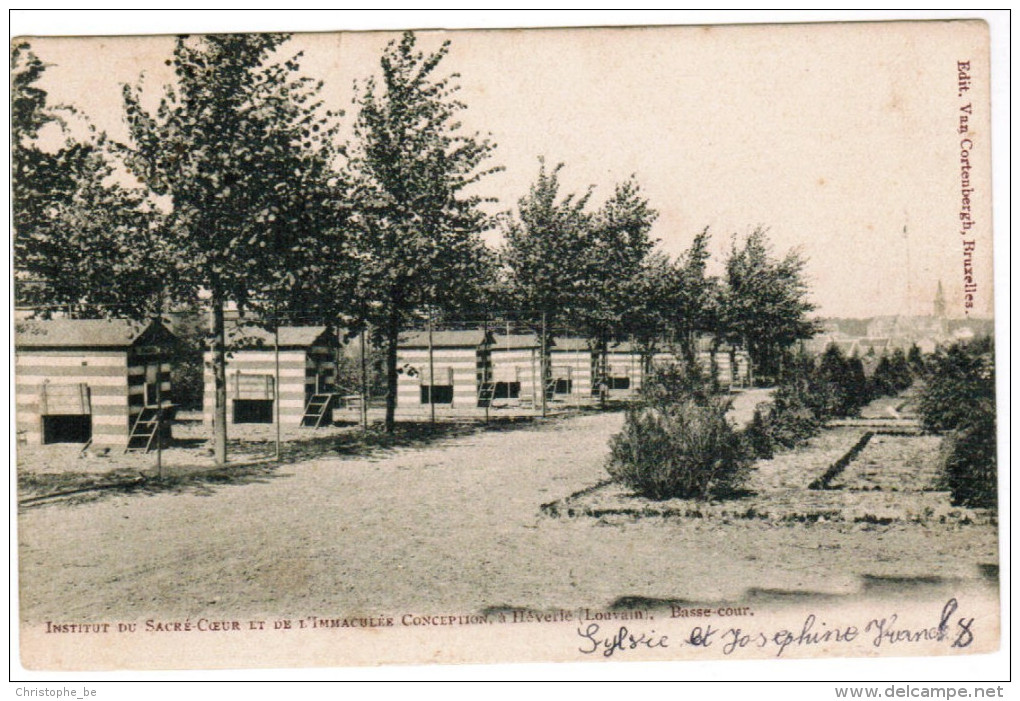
(892, 375)
(759, 433)
(959, 398)
(673, 382)
(969, 462)
(785, 422)
(688, 450)
(961, 381)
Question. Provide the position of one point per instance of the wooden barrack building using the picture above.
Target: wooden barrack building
(307, 388)
(82, 380)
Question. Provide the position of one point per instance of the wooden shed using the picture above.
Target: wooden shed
(461, 364)
(308, 358)
(571, 364)
(623, 369)
(516, 369)
(98, 380)
(731, 364)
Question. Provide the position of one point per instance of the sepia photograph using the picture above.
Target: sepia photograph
(481, 346)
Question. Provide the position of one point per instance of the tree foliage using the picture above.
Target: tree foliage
(765, 304)
(239, 151)
(241, 148)
(696, 305)
(77, 229)
(545, 247)
(413, 174)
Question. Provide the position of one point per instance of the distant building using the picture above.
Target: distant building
(939, 306)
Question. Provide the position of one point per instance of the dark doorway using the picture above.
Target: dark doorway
(253, 411)
(67, 428)
(507, 390)
(441, 394)
(620, 383)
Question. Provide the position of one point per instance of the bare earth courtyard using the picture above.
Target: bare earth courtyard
(453, 528)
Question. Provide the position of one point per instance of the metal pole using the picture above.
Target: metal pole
(276, 382)
(364, 383)
(432, 376)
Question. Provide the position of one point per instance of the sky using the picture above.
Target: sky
(840, 139)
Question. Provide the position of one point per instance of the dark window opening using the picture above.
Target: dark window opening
(564, 386)
(67, 428)
(507, 390)
(441, 394)
(253, 411)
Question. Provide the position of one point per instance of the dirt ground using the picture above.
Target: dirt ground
(454, 527)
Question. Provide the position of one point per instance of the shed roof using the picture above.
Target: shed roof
(514, 341)
(445, 339)
(571, 343)
(623, 347)
(290, 336)
(85, 333)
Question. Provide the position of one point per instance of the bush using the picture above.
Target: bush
(969, 463)
(959, 398)
(688, 450)
(961, 381)
(673, 382)
(893, 374)
(788, 420)
(759, 433)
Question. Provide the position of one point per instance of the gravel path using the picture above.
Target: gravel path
(455, 528)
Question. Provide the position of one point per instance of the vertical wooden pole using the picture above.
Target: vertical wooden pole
(219, 359)
(486, 362)
(544, 363)
(432, 374)
(159, 415)
(364, 382)
(159, 396)
(276, 383)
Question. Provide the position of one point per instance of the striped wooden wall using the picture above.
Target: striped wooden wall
(518, 365)
(730, 372)
(110, 382)
(463, 367)
(251, 374)
(625, 364)
(579, 363)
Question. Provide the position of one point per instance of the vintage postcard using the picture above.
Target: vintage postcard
(519, 345)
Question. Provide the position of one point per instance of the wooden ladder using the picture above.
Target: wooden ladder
(486, 391)
(316, 408)
(550, 389)
(143, 430)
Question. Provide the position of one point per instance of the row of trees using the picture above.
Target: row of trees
(234, 187)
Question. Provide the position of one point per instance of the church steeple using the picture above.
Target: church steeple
(940, 302)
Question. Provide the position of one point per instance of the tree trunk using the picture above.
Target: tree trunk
(392, 339)
(219, 360)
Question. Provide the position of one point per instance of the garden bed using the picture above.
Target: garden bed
(887, 479)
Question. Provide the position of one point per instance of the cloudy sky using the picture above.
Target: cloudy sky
(836, 137)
